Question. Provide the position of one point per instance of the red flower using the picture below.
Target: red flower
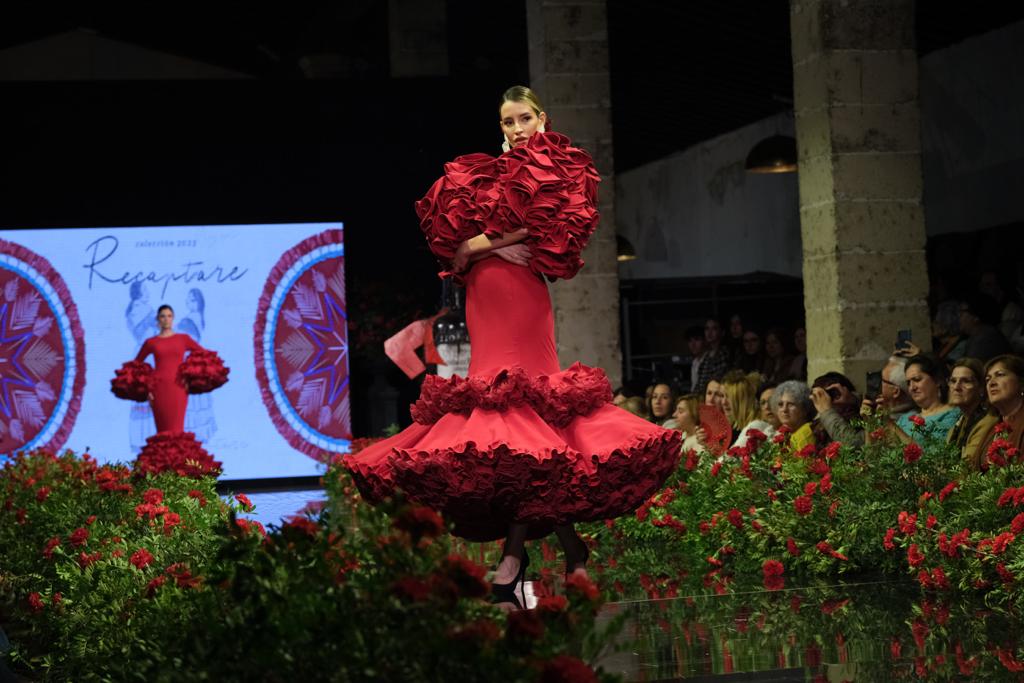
(56, 598)
(755, 438)
(807, 451)
(1005, 574)
(907, 523)
(303, 525)
(692, 460)
(947, 490)
(1008, 496)
(912, 452)
(917, 420)
(419, 522)
(42, 493)
(714, 561)
(525, 625)
(791, 547)
(772, 496)
(86, 559)
(895, 647)
(79, 536)
(825, 548)
(183, 576)
(153, 496)
(889, 535)
(582, 585)
(810, 488)
(826, 483)
(1007, 659)
(1003, 429)
(465, 576)
(736, 518)
(940, 580)
(878, 434)
(149, 510)
(914, 555)
(411, 589)
(478, 631)
(552, 603)
(198, 495)
(1000, 542)
(154, 584)
(772, 568)
(50, 545)
(244, 501)
(803, 505)
(566, 669)
(90, 519)
(774, 583)
(35, 601)
(784, 429)
(716, 468)
(171, 520)
(832, 450)
(141, 558)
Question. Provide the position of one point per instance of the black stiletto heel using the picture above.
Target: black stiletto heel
(506, 592)
(582, 564)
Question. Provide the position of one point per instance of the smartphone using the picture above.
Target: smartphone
(902, 339)
(873, 385)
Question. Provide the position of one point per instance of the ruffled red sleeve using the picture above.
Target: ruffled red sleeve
(549, 187)
(133, 381)
(459, 204)
(202, 372)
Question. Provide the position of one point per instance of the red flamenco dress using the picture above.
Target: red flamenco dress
(169, 384)
(519, 440)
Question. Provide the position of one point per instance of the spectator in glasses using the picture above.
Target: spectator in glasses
(967, 392)
(837, 403)
(927, 386)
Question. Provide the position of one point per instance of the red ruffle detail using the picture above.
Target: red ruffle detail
(177, 452)
(202, 372)
(504, 475)
(459, 205)
(547, 186)
(557, 399)
(550, 188)
(133, 381)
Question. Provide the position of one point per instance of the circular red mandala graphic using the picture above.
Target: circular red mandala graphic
(301, 346)
(42, 353)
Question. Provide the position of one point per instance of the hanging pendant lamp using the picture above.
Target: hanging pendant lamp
(624, 250)
(776, 154)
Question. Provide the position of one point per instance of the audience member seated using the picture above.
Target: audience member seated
(798, 368)
(695, 345)
(778, 362)
(620, 395)
(687, 419)
(765, 391)
(1004, 386)
(894, 400)
(948, 342)
(741, 407)
(637, 406)
(967, 393)
(751, 355)
(836, 403)
(927, 386)
(978, 317)
(661, 404)
(793, 405)
(733, 340)
(714, 394)
(715, 360)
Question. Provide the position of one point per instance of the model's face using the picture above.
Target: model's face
(772, 346)
(791, 412)
(923, 389)
(765, 402)
(964, 389)
(661, 401)
(1003, 388)
(519, 122)
(165, 319)
(686, 421)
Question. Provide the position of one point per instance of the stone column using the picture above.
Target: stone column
(862, 223)
(568, 46)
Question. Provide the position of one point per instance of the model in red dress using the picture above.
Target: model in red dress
(518, 448)
(168, 397)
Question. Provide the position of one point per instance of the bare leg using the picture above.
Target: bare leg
(574, 549)
(515, 546)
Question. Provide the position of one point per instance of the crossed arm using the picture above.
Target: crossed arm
(507, 247)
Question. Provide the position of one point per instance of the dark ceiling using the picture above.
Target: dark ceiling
(682, 72)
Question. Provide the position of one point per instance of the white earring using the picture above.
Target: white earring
(504, 144)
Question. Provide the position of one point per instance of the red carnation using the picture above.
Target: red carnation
(1005, 574)
(525, 625)
(582, 585)
(911, 453)
(49, 547)
(43, 493)
(171, 520)
(826, 483)
(803, 505)
(736, 518)
(947, 490)
(35, 601)
(552, 603)
(939, 579)
(825, 548)
(155, 584)
(79, 536)
(918, 420)
(141, 558)
(832, 450)
(302, 524)
(716, 468)
(86, 559)
(930, 522)
(244, 501)
(419, 522)
(907, 523)
(791, 547)
(198, 495)
(411, 589)
(772, 568)
(810, 488)
(692, 460)
(914, 556)
(153, 496)
(889, 535)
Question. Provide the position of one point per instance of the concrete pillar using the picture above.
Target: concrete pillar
(568, 47)
(862, 223)
(418, 38)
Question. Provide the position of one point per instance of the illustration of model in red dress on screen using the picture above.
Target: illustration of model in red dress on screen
(167, 387)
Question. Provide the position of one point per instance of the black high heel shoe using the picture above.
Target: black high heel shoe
(506, 592)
